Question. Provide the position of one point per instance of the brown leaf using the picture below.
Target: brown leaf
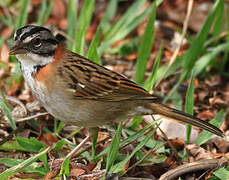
(102, 136)
(63, 24)
(202, 95)
(131, 57)
(48, 139)
(14, 88)
(91, 31)
(36, 2)
(6, 32)
(76, 171)
(178, 144)
(217, 101)
(91, 166)
(4, 56)
(51, 174)
(214, 81)
(204, 115)
(198, 152)
(58, 9)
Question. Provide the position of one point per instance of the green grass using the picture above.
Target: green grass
(4, 105)
(197, 46)
(72, 19)
(45, 11)
(22, 19)
(189, 105)
(194, 62)
(82, 26)
(145, 46)
(18, 165)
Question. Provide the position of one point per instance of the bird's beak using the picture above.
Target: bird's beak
(17, 49)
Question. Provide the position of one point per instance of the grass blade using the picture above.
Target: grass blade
(48, 11)
(23, 14)
(109, 14)
(31, 145)
(114, 147)
(151, 81)
(191, 56)
(124, 20)
(6, 21)
(198, 43)
(219, 19)
(225, 57)
(42, 12)
(207, 58)
(118, 167)
(82, 26)
(130, 138)
(92, 52)
(7, 112)
(222, 173)
(217, 121)
(123, 31)
(189, 104)
(145, 46)
(65, 168)
(11, 171)
(71, 17)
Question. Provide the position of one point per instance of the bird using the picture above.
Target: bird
(78, 91)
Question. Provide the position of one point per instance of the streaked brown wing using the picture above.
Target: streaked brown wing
(88, 80)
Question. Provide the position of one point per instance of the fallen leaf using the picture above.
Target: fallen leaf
(14, 88)
(198, 152)
(217, 101)
(131, 57)
(91, 166)
(48, 139)
(36, 2)
(4, 56)
(76, 171)
(63, 24)
(178, 144)
(204, 115)
(91, 31)
(58, 9)
(51, 174)
(7, 32)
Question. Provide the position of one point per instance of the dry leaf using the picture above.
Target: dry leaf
(48, 139)
(4, 56)
(76, 171)
(58, 9)
(204, 115)
(198, 152)
(51, 174)
(36, 2)
(131, 57)
(7, 32)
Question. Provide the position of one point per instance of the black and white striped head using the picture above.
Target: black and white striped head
(35, 40)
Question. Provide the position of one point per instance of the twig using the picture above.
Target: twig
(31, 117)
(94, 174)
(184, 30)
(170, 144)
(192, 167)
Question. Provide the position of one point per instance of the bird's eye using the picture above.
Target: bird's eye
(37, 42)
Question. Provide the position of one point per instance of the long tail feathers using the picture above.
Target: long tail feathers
(185, 118)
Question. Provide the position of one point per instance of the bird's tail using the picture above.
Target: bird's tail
(184, 117)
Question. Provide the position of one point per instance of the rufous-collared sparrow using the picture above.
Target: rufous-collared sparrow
(78, 91)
